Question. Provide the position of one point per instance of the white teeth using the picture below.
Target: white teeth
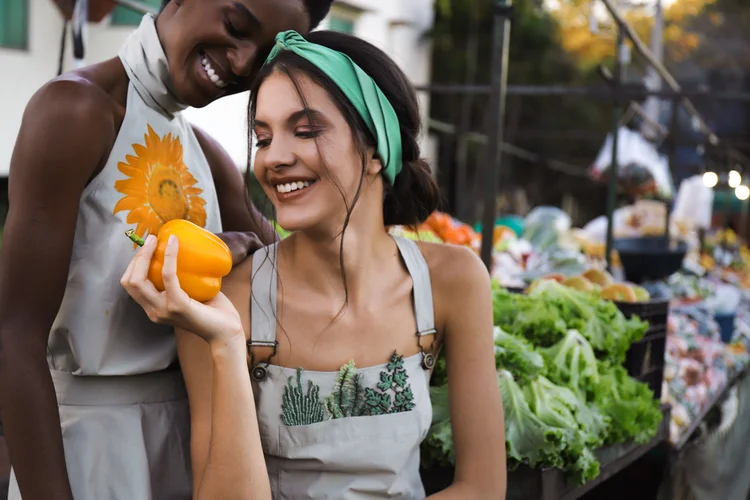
(292, 186)
(212, 73)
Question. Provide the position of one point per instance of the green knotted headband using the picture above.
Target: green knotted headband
(359, 88)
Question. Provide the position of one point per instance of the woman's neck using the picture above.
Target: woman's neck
(316, 259)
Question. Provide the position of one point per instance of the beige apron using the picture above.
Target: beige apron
(122, 401)
(352, 434)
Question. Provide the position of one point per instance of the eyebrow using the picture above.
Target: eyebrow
(251, 18)
(294, 117)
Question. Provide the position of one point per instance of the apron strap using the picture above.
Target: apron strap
(422, 287)
(263, 298)
(424, 311)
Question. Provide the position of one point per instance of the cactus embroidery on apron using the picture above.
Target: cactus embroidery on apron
(302, 405)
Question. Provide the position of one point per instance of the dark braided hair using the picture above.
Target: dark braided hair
(317, 10)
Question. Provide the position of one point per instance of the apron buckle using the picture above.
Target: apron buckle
(259, 372)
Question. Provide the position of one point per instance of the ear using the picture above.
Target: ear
(374, 166)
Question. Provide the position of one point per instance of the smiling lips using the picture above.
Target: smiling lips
(212, 73)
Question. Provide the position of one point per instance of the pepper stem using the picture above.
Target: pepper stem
(130, 233)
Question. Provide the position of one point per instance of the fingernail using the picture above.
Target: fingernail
(172, 241)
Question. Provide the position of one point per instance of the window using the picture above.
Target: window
(14, 24)
(122, 16)
(341, 23)
(343, 17)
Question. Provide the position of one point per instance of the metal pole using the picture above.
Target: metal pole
(742, 230)
(653, 79)
(613, 167)
(623, 25)
(79, 21)
(493, 163)
(673, 131)
(467, 99)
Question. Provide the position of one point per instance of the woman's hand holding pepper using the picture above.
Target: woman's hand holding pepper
(216, 321)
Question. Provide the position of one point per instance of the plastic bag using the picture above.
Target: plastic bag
(694, 204)
(565, 262)
(544, 226)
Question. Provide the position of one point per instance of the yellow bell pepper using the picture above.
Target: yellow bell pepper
(203, 258)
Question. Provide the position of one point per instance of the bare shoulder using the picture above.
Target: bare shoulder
(204, 138)
(82, 101)
(236, 285)
(460, 282)
(70, 117)
(66, 134)
(217, 156)
(454, 267)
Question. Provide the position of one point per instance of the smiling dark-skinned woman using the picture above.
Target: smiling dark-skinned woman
(93, 404)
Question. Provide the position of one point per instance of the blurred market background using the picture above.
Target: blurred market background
(594, 153)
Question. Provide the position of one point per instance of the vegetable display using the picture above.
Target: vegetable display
(561, 347)
(559, 354)
(203, 258)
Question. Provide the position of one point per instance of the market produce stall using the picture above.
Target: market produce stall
(677, 344)
(570, 405)
(552, 484)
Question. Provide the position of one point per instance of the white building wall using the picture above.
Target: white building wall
(396, 26)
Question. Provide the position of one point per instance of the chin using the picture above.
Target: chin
(194, 93)
(299, 220)
(187, 95)
(292, 225)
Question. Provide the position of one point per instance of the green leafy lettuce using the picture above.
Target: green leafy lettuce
(558, 352)
(572, 363)
(599, 321)
(518, 356)
(630, 404)
(526, 317)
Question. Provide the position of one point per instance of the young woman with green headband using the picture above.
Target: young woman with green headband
(339, 324)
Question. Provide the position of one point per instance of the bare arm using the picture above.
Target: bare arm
(63, 139)
(478, 431)
(226, 450)
(197, 366)
(228, 461)
(238, 214)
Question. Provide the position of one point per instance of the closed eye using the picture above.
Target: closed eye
(231, 29)
(308, 134)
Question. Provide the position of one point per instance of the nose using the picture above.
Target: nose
(242, 58)
(276, 155)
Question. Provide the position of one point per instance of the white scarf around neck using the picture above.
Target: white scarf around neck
(146, 65)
